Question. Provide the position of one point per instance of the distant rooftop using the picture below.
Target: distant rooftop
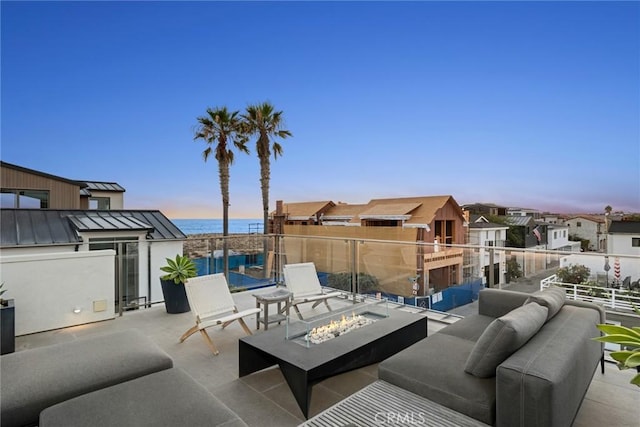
(623, 227)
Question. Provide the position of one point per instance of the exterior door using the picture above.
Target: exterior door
(126, 286)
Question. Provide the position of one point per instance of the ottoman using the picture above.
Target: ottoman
(168, 398)
(35, 379)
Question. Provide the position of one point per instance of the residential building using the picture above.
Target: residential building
(558, 239)
(624, 239)
(523, 212)
(28, 188)
(527, 232)
(485, 209)
(51, 225)
(436, 221)
(487, 235)
(589, 227)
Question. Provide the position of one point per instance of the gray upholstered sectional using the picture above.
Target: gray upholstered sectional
(103, 380)
(523, 360)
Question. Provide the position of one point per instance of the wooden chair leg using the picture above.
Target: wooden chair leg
(327, 304)
(245, 327)
(190, 332)
(207, 339)
(295, 307)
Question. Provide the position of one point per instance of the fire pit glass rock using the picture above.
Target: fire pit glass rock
(337, 323)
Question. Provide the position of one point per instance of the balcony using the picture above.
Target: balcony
(264, 398)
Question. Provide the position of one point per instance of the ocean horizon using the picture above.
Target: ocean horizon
(206, 226)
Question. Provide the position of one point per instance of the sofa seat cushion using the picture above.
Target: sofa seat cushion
(553, 298)
(433, 368)
(470, 328)
(504, 336)
(167, 398)
(35, 379)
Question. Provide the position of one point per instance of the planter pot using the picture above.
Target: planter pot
(175, 297)
(7, 327)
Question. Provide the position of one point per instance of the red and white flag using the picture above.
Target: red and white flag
(537, 234)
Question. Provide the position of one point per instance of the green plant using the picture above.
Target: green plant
(513, 269)
(179, 270)
(576, 274)
(629, 341)
(342, 281)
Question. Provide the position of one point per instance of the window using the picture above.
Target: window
(445, 229)
(578, 224)
(555, 234)
(564, 233)
(25, 199)
(103, 203)
(635, 242)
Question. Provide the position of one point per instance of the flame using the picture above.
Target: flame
(335, 325)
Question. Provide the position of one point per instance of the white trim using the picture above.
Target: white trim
(386, 217)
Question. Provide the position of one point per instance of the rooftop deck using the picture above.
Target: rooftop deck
(264, 399)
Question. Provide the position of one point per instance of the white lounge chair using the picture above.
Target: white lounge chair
(302, 280)
(211, 304)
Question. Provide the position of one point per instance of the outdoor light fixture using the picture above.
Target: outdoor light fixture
(77, 310)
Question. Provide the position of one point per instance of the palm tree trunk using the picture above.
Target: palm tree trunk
(265, 175)
(224, 190)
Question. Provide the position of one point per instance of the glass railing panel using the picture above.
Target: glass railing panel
(251, 259)
(333, 258)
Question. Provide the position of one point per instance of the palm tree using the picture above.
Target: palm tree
(218, 128)
(262, 120)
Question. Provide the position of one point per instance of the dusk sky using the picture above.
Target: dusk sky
(529, 104)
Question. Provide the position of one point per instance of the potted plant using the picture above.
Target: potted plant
(178, 271)
(629, 340)
(7, 324)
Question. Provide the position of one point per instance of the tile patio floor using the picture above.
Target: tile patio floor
(264, 399)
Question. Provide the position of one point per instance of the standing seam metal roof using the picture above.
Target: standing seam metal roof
(29, 227)
(104, 186)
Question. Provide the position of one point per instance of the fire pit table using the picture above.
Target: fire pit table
(304, 363)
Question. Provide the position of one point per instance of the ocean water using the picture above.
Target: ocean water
(236, 226)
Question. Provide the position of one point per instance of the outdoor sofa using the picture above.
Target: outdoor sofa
(523, 360)
(115, 379)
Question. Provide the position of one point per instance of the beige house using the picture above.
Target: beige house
(437, 223)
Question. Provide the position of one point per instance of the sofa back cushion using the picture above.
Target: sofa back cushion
(503, 337)
(553, 298)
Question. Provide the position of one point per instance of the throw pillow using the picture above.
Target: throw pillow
(553, 298)
(503, 337)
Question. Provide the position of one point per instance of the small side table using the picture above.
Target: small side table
(278, 296)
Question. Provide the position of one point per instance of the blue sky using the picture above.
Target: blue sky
(530, 104)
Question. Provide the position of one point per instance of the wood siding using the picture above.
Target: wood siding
(62, 195)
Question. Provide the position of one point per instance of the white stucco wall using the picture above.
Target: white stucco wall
(621, 244)
(116, 199)
(160, 251)
(557, 237)
(48, 287)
